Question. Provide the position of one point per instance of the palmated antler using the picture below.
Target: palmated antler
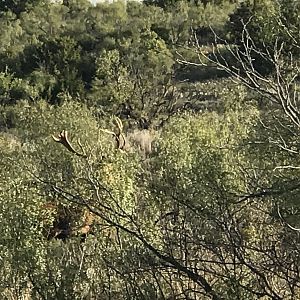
(63, 139)
(118, 135)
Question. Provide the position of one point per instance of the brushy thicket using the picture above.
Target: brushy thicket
(149, 150)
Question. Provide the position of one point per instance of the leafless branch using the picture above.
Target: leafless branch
(280, 88)
(284, 221)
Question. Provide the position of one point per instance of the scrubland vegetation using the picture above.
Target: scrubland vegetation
(150, 150)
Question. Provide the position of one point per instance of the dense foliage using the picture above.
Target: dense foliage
(149, 150)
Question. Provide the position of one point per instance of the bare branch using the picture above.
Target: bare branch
(284, 221)
(279, 88)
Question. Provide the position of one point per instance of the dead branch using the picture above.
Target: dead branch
(284, 221)
(281, 87)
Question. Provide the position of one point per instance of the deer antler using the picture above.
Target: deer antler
(63, 139)
(118, 135)
(119, 124)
